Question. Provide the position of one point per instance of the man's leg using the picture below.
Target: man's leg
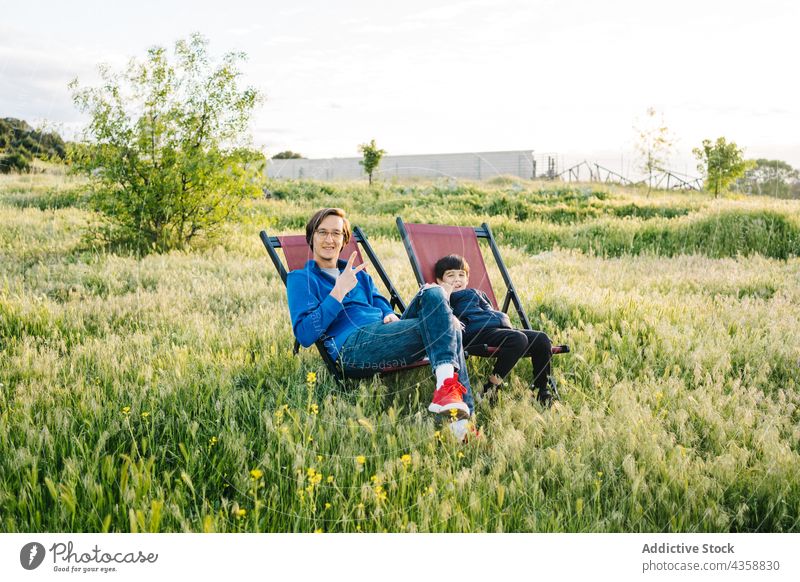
(381, 345)
(400, 343)
(441, 334)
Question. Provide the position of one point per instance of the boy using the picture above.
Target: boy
(485, 325)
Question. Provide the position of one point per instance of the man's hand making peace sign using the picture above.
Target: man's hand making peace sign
(347, 280)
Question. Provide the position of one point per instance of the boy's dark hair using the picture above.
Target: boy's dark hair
(450, 263)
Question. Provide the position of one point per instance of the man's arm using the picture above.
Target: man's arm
(310, 316)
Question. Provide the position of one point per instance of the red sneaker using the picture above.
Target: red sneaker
(449, 397)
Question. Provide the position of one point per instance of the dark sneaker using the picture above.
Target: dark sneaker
(548, 394)
(545, 397)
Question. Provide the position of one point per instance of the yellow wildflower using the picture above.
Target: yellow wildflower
(361, 459)
(212, 441)
(314, 478)
(256, 474)
(330, 479)
(318, 530)
(311, 377)
(453, 413)
(437, 435)
(241, 513)
(328, 506)
(406, 460)
(313, 409)
(126, 410)
(460, 455)
(145, 415)
(319, 458)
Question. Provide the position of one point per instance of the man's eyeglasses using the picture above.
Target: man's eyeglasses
(334, 234)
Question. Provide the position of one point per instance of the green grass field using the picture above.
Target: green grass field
(161, 393)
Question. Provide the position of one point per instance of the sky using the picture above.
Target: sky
(560, 76)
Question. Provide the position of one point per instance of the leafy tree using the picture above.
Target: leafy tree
(653, 145)
(372, 157)
(770, 178)
(721, 163)
(169, 148)
(287, 155)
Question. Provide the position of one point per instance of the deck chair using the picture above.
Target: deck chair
(297, 253)
(427, 243)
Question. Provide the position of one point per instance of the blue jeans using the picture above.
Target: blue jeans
(426, 328)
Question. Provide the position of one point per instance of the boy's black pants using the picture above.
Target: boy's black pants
(514, 344)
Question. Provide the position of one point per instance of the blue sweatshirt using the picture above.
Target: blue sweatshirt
(316, 315)
(475, 311)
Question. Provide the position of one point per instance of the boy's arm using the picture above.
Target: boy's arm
(310, 316)
(483, 301)
(487, 306)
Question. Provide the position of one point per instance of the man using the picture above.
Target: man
(332, 300)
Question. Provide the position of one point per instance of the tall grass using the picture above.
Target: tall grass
(160, 393)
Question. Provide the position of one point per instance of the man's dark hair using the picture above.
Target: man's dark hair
(319, 216)
(450, 263)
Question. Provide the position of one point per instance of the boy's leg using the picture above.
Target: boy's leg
(511, 343)
(538, 349)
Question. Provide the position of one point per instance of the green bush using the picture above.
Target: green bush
(15, 161)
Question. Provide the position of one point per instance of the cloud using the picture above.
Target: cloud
(34, 75)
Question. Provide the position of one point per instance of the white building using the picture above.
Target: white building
(471, 166)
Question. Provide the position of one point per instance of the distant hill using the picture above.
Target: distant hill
(20, 143)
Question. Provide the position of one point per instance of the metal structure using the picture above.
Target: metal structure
(598, 173)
